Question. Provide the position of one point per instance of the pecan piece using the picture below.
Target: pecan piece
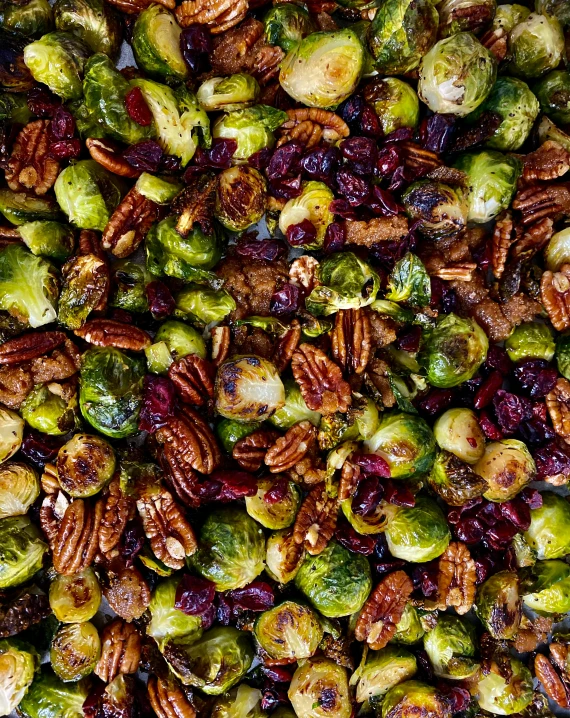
(496, 42)
(457, 577)
(129, 224)
(309, 126)
(52, 511)
(108, 155)
(383, 610)
(535, 203)
(77, 538)
(555, 295)
(350, 477)
(195, 205)
(531, 634)
(194, 379)
(30, 167)
(221, 338)
(29, 346)
(551, 681)
(218, 15)
(548, 162)
(316, 521)
(250, 451)
(419, 160)
(188, 439)
(109, 333)
(558, 405)
(120, 650)
(168, 700)
(134, 7)
(303, 272)
(288, 450)
(49, 480)
(458, 271)
(116, 513)
(559, 654)
(127, 593)
(320, 380)
(351, 340)
(18, 614)
(502, 240)
(286, 346)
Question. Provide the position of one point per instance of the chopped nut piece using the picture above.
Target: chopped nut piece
(128, 593)
(107, 154)
(250, 451)
(551, 682)
(460, 272)
(168, 700)
(129, 224)
(194, 379)
(320, 380)
(62, 363)
(316, 521)
(496, 42)
(109, 333)
(559, 654)
(383, 610)
(52, 511)
(548, 162)
(309, 126)
(286, 346)
(351, 340)
(77, 538)
(531, 634)
(120, 650)
(350, 476)
(29, 346)
(288, 450)
(49, 481)
(457, 577)
(221, 337)
(30, 166)
(16, 382)
(555, 295)
(558, 405)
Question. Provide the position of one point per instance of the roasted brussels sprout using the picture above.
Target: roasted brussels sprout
(531, 340)
(454, 350)
(235, 92)
(536, 45)
(557, 250)
(553, 92)
(57, 60)
(48, 697)
(373, 523)
(464, 15)
(84, 286)
(23, 550)
(458, 431)
(454, 480)
(18, 663)
(241, 702)
(419, 533)
(319, 689)
(505, 697)
(274, 515)
(48, 239)
(337, 582)
(75, 649)
(14, 75)
(345, 282)
(129, 286)
(498, 605)
(93, 21)
(19, 208)
(294, 410)
(409, 629)
(156, 45)
(409, 282)
(158, 189)
(456, 75)
(30, 19)
(286, 24)
(451, 647)
(507, 466)
(110, 393)
(173, 341)
(76, 598)
(85, 464)
(507, 16)
(51, 408)
(547, 533)
(439, 210)
(248, 388)
(545, 587)
(412, 697)
(241, 196)
(382, 670)
(167, 622)
(313, 205)
(14, 108)
(202, 306)
(252, 129)
(289, 631)
(280, 547)
(11, 433)
(395, 102)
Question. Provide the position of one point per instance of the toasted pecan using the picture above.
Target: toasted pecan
(558, 406)
(218, 15)
(320, 380)
(120, 650)
(194, 379)
(548, 162)
(221, 338)
(351, 342)
(129, 224)
(116, 513)
(286, 346)
(316, 521)
(127, 592)
(189, 439)
(30, 166)
(311, 125)
(107, 154)
(551, 682)
(110, 333)
(501, 243)
(457, 578)
(77, 538)
(555, 295)
(250, 451)
(167, 698)
(380, 615)
(29, 346)
(288, 450)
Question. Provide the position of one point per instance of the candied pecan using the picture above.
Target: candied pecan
(309, 471)
(127, 593)
(188, 439)
(533, 239)
(538, 202)
(120, 650)
(286, 346)
(320, 380)
(134, 7)
(167, 699)
(419, 160)
(288, 450)
(316, 521)
(52, 511)
(265, 64)
(551, 682)
(195, 205)
(21, 612)
(350, 476)
(250, 451)
(496, 42)
(221, 337)
(548, 162)
(218, 15)
(194, 379)
(559, 654)
(244, 49)
(108, 155)
(30, 166)
(502, 240)
(350, 340)
(558, 405)
(117, 511)
(378, 229)
(456, 578)
(377, 621)
(531, 634)
(311, 125)
(129, 224)
(62, 363)
(77, 538)
(383, 330)
(29, 346)
(49, 480)
(109, 333)
(303, 272)
(89, 243)
(555, 295)
(16, 382)
(459, 271)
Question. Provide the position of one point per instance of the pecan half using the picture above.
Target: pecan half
(558, 405)
(120, 650)
(458, 271)
(194, 379)
(109, 333)
(129, 224)
(288, 450)
(555, 295)
(189, 441)
(30, 167)
(309, 126)
(496, 42)
(286, 346)
(127, 593)
(457, 577)
(108, 155)
(218, 15)
(196, 204)
(551, 682)
(221, 338)
(548, 162)
(116, 513)
(383, 610)
(350, 477)
(311, 470)
(168, 700)
(250, 451)
(29, 346)
(49, 480)
(538, 202)
(351, 340)
(52, 511)
(559, 654)
(77, 538)
(419, 160)
(316, 521)
(502, 240)
(320, 380)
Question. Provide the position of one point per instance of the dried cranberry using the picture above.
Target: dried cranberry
(321, 163)
(234, 484)
(257, 596)
(277, 674)
(535, 432)
(160, 301)
(170, 164)
(469, 530)
(42, 103)
(286, 301)
(497, 358)
(196, 46)
(381, 550)
(132, 541)
(409, 339)
(65, 149)
(372, 464)
(489, 513)
(498, 537)
(354, 188)
(531, 497)
(348, 537)
(40, 449)
(342, 208)
(424, 578)
(490, 429)
(437, 132)
(517, 512)
(402, 134)
(399, 179)
(224, 609)
(388, 161)
(551, 460)
(272, 697)
(268, 249)
(536, 377)
(302, 233)
(260, 160)
(436, 401)
(360, 153)
(399, 494)
(144, 156)
(208, 617)
(511, 410)
(367, 496)
(483, 567)
(351, 110)
(369, 124)
(486, 392)
(382, 203)
(335, 237)
(194, 595)
(277, 492)
(539, 410)
(285, 160)
(287, 188)
(137, 107)
(219, 156)
(159, 397)
(384, 567)
(62, 126)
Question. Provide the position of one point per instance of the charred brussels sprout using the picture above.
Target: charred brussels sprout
(458, 431)
(280, 548)
(289, 631)
(48, 697)
(324, 68)
(235, 92)
(507, 466)
(454, 480)
(545, 587)
(11, 433)
(548, 534)
(409, 282)
(401, 33)
(395, 102)
(110, 393)
(274, 515)
(248, 388)
(167, 622)
(241, 196)
(508, 16)
(28, 286)
(454, 351)
(76, 598)
(85, 465)
(294, 410)
(18, 663)
(85, 283)
(412, 698)
(337, 582)
(456, 75)
(531, 340)
(22, 550)
(75, 649)
(555, 8)
(464, 15)
(173, 341)
(373, 523)
(19, 488)
(93, 21)
(382, 670)
(48, 239)
(201, 305)
(440, 210)
(419, 533)
(451, 647)
(409, 629)
(313, 205)
(19, 208)
(156, 45)
(504, 697)
(51, 408)
(498, 605)
(130, 280)
(231, 549)
(57, 60)
(319, 689)
(286, 24)
(553, 93)
(251, 128)
(14, 74)
(241, 702)
(31, 19)
(346, 282)
(536, 45)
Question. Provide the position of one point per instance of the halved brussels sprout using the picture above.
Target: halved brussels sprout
(548, 533)
(11, 433)
(19, 208)
(501, 697)
(156, 45)
(167, 622)
(251, 128)
(545, 587)
(31, 19)
(507, 16)
(531, 340)
(419, 533)
(440, 210)
(173, 341)
(129, 280)
(241, 702)
(289, 631)
(241, 196)
(93, 21)
(48, 239)
(85, 285)
(57, 60)
(456, 75)
(395, 102)
(275, 515)
(51, 408)
(286, 24)
(294, 410)
(458, 431)
(454, 350)
(507, 466)
(19, 488)
(281, 547)
(345, 282)
(234, 92)
(160, 190)
(498, 605)
(536, 45)
(201, 305)
(409, 282)
(313, 205)
(319, 689)
(85, 464)
(464, 15)
(19, 662)
(553, 92)
(409, 629)
(412, 698)
(337, 582)
(373, 523)
(382, 670)
(406, 442)
(557, 250)
(451, 647)
(248, 388)
(454, 480)
(48, 697)
(76, 598)
(324, 68)
(23, 550)
(75, 649)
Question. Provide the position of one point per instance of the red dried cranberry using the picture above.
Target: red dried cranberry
(437, 132)
(369, 124)
(354, 188)
(219, 156)
(498, 537)
(268, 249)
(490, 429)
(361, 154)
(372, 464)
(137, 107)
(389, 159)
(399, 494)
(402, 134)
(302, 233)
(62, 126)
(132, 541)
(285, 160)
(286, 301)
(42, 103)
(271, 698)
(539, 410)
(384, 567)
(335, 237)
(483, 567)
(277, 492)
(531, 497)
(277, 674)
(160, 301)
(399, 179)
(511, 410)
(170, 164)
(457, 698)
(234, 485)
(424, 578)
(409, 339)
(257, 596)
(144, 156)
(342, 208)
(194, 595)
(367, 496)
(286, 188)
(469, 530)
(260, 160)
(497, 358)
(351, 110)
(535, 432)
(517, 512)
(40, 449)
(347, 536)
(382, 203)
(196, 46)
(536, 377)
(65, 149)
(224, 609)
(208, 617)
(321, 163)
(551, 460)
(436, 401)
(489, 513)
(159, 396)
(486, 392)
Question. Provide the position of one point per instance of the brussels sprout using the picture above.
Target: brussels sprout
(337, 582)
(75, 649)
(409, 282)
(202, 306)
(14, 75)
(173, 341)
(454, 480)
(286, 24)
(76, 598)
(85, 285)
(248, 388)
(536, 45)
(88, 194)
(548, 533)
(409, 629)
(110, 393)
(18, 663)
(252, 129)
(501, 697)
(545, 587)
(294, 410)
(156, 45)
(395, 102)
(281, 547)
(32, 19)
(464, 15)
(240, 702)
(507, 467)
(28, 286)
(274, 515)
(319, 689)
(406, 442)
(85, 465)
(498, 605)
(11, 433)
(241, 195)
(48, 697)
(19, 208)
(555, 8)
(51, 408)
(57, 60)
(562, 355)
(346, 282)
(93, 21)
(289, 631)
(492, 182)
(231, 549)
(229, 432)
(440, 210)
(419, 533)
(14, 108)
(382, 670)
(414, 698)
(553, 93)
(48, 239)
(373, 523)
(235, 92)
(158, 189)
(167, 622)
(454, 351)
(456, 75)
(524, 554)
(557, 250)
(507, 16)
(129, 282)
(312, 204)
(458, 431)
(22, 550)
(451, 647)
(531, 340)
